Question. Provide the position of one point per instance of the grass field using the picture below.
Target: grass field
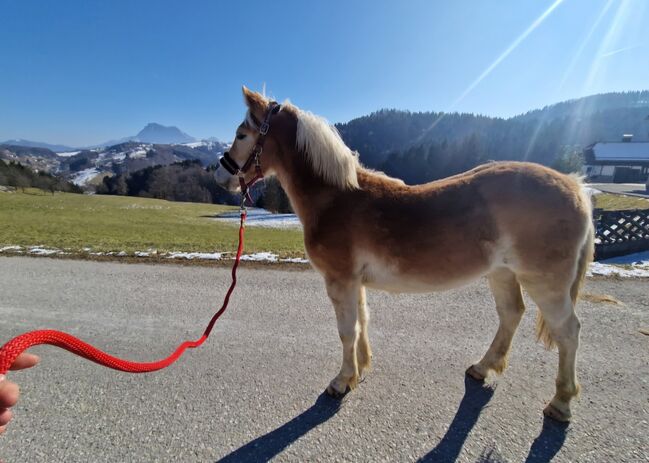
(123, 223)
(609, 201)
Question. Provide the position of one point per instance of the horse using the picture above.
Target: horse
(519, 224)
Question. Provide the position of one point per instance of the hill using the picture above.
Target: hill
(17, 176)
(428, 145)
(36, 144)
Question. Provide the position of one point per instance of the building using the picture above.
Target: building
(626, 161)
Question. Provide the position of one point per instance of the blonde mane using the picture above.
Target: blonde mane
(321, 143)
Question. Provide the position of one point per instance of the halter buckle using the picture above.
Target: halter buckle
(263, 128)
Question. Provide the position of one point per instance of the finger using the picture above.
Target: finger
(2, 429)
(9, 394)
(5, 417)
(25, 361)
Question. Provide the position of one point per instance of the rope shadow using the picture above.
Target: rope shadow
(476, 397)
(265, 447)
(548, 443)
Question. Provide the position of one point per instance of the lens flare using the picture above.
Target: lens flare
(531, 28)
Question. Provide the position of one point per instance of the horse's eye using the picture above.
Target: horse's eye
(241, 136)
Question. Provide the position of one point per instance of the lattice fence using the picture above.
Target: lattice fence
(620, 232)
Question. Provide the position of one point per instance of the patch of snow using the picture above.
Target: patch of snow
(67, 154)
(196, 144)
(81, 178)
(121, 254)
(11, 248)
(195, 255)
(38, 251)
(262, 218)
(142, 254)
(137, 154)
(260, 257)
(635, 266)
(597, 268)
(295, 260)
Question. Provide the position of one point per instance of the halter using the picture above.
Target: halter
(233, 168)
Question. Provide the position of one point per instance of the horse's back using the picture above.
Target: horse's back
(519, 215)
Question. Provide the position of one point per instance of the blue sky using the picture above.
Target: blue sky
(82, 72)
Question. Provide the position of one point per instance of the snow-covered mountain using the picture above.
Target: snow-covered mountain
(88, 166)
(153, 133)
(157, 133)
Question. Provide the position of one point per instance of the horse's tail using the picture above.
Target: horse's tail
(584, 258)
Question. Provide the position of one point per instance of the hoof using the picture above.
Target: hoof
(473, 372)
(333, 393)
(553, 412)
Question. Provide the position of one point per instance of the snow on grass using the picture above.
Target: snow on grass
(137, 154)
(11, 248)
(262, 218)
(260, 257)
(195, 255)
(82, 177)
(629, 266)
(67, 154)
(39, 251)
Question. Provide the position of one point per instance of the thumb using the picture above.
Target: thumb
(24, 361)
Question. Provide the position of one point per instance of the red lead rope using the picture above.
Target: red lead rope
(17, 345)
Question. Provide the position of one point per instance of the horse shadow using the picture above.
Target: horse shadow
(476, 397)
(548, 443)
(265, 447)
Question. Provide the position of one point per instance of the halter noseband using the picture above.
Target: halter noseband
(233, 168)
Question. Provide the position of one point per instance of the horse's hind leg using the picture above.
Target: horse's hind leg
(558, 324)
(510, 307)
(344, 296)
(363, 350)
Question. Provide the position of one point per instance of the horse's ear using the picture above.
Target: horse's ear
(256, 103)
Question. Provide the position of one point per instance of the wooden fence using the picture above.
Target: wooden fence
(620, 232)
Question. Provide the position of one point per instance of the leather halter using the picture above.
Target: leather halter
(233, 168)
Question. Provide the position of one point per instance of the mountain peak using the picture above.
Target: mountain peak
(158, 133)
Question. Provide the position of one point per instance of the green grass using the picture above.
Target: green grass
(122, 223)
(609, 201)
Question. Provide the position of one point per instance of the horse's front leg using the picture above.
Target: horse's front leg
(344, 295)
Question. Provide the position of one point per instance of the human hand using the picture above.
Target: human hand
(9, 391)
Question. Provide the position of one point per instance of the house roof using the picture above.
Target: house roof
(621, 151)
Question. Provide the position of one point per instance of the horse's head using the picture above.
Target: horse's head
(287, 142)
(254, 150)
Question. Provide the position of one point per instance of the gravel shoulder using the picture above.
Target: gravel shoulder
(253, 392)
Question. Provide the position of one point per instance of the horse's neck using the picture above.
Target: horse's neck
(306, 191)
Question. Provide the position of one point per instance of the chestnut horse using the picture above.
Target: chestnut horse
(519, 224)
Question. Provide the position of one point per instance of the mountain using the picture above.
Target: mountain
(153, 133)
(157, 133)
(37, 144)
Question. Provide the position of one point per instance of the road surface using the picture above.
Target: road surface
(631, 189)
(253, 392)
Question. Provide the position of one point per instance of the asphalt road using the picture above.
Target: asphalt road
(253, 392)
(631, 189)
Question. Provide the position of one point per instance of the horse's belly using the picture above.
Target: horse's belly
(389, 277)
